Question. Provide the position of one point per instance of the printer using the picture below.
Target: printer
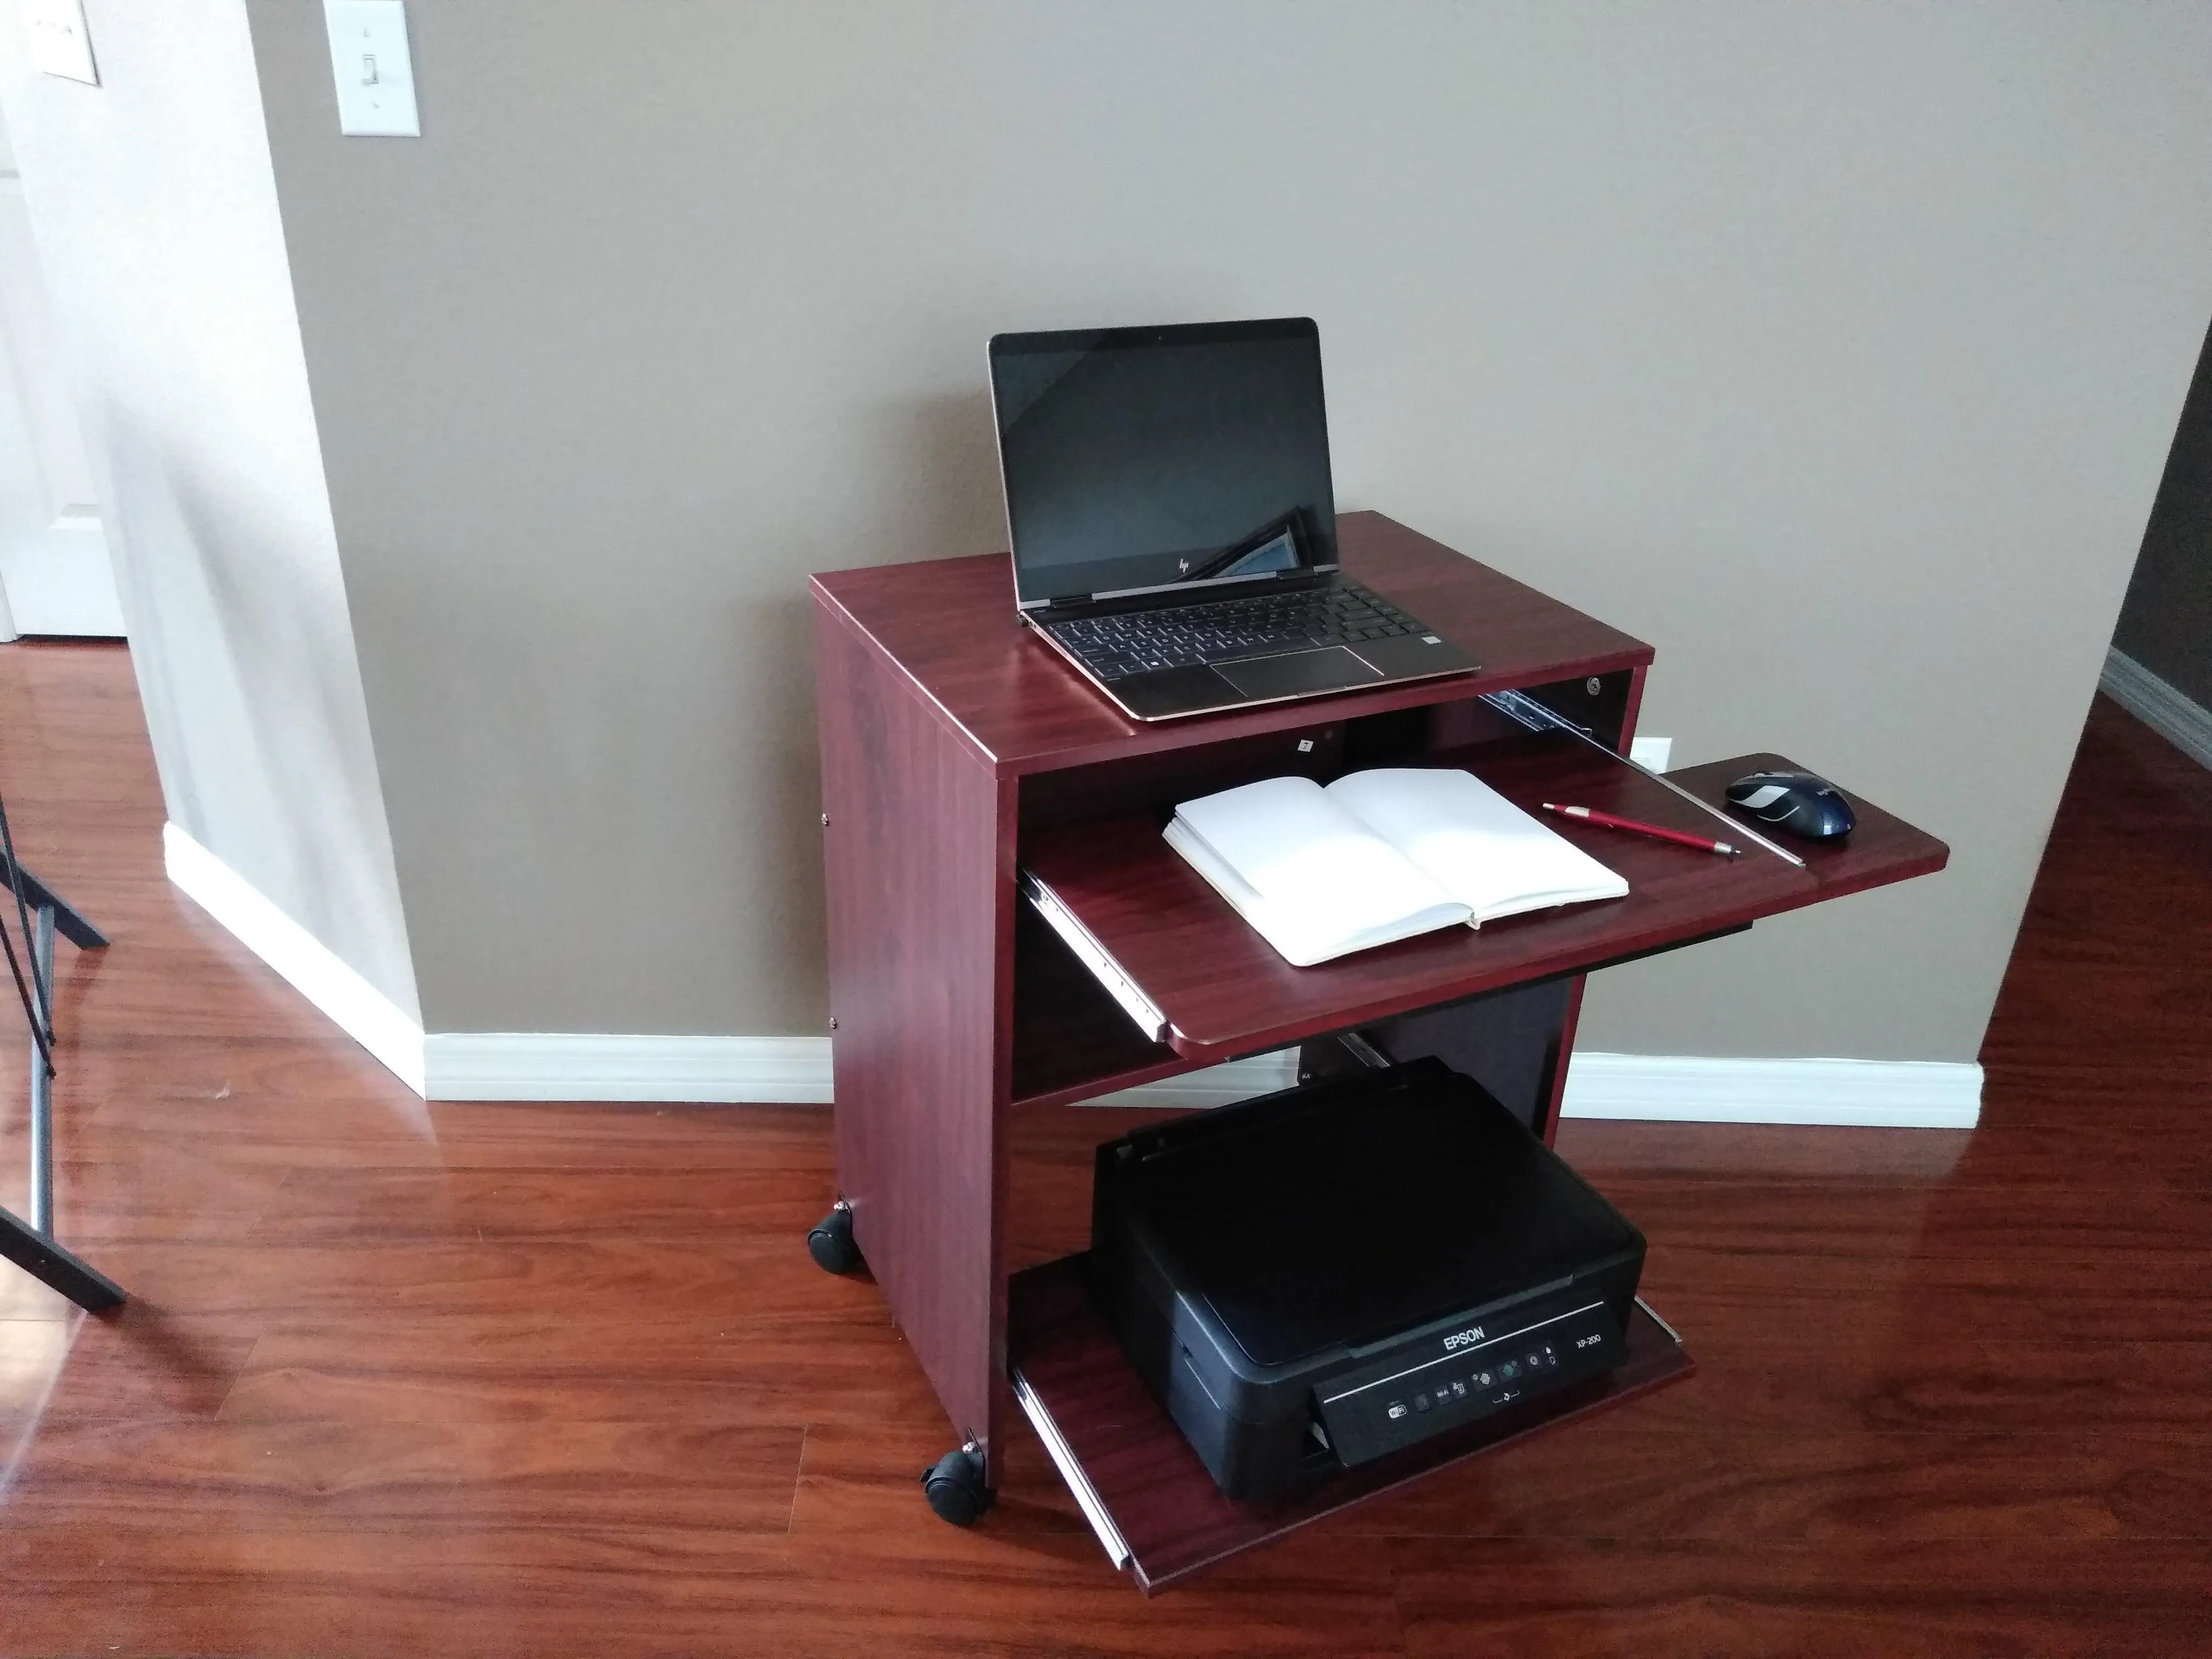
(1316, 1279)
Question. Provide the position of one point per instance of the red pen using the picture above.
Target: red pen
(1591, 815)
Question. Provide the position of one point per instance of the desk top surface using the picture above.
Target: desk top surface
(950, 625)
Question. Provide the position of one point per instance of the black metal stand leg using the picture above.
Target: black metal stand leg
(42, 1077)
(73, 927)
(31, 1245)
(55, 1267)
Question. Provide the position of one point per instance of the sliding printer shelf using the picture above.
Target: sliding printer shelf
(1155, 1509)
(1218, 990)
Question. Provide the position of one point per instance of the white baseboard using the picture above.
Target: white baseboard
(1217, 1085)
(579, 1066)
(1671, 1088)
(304, 961)
(2184, 724)
(1897, 1094)
(760, 1070)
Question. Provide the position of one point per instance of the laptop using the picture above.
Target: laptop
(1173, 523)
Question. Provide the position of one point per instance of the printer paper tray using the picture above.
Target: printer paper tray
(1140, 1486)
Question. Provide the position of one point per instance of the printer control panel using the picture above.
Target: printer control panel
(1478, 1371)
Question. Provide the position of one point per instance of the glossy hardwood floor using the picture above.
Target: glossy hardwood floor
(560, 1380)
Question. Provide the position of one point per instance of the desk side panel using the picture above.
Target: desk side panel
(919, 854)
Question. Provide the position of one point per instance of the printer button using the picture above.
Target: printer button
(1397, 1410)
(1420, 1402)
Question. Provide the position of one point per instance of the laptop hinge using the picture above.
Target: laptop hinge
(1175, 594)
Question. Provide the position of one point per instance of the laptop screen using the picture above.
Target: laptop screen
(1148, 458)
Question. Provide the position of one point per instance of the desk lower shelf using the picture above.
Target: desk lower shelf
(1146, 1495)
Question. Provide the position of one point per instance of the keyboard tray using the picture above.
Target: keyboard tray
(1222, 992)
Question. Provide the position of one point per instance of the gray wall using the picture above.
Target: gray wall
(1833, 350)
(155, 213)
(2166, 623)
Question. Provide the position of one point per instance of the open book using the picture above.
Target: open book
(1378, 856)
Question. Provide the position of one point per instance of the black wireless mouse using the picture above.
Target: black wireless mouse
(1795, 803)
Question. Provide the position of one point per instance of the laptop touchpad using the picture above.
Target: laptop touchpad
(1296, 673)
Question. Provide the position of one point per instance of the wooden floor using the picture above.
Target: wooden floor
(560, 1380)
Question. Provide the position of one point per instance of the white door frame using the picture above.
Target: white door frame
(55, 574)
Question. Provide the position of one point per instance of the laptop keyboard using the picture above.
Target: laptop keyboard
(1186, 635)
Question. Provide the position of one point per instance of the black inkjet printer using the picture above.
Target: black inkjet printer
(1314, 1278)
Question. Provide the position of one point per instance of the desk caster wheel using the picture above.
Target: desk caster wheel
(831, 1244)
(954, 1485)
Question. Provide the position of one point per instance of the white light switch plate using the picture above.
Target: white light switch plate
(60, 44)
(370, 62)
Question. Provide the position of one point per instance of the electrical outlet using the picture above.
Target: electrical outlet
(1651, 753)
(373, 69)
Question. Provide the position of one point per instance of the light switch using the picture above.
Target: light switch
(369, 62)
(59, 42)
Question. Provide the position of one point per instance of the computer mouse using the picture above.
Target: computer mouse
(1795, 803)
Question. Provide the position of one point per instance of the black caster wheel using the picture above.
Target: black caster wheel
(831, 1244)
(954, 1485)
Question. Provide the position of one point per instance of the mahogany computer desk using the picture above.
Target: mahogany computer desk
(958, 751)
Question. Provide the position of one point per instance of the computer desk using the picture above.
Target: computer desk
(958, 750)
